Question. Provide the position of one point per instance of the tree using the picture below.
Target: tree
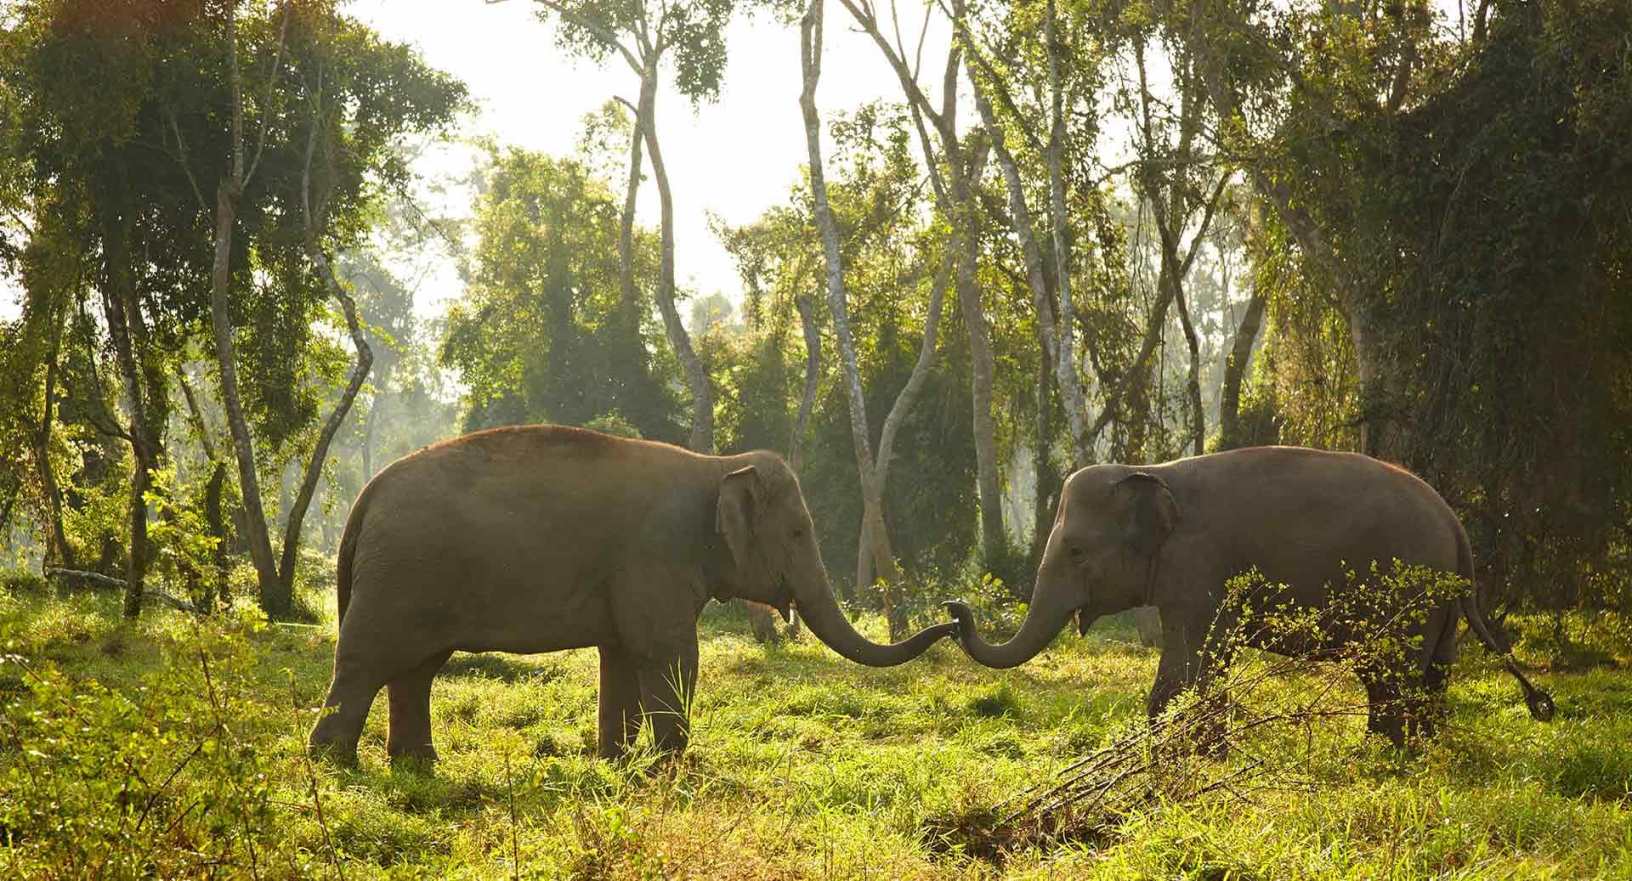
(128, 162)
(874, 552)
(645, 35)
(536, 335)
(1455, 206)
(954, 163)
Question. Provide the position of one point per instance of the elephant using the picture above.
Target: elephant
(762, 624)
(543, 538)
(1171, 535)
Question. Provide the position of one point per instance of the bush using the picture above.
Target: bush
(165, 779)
(21, 581)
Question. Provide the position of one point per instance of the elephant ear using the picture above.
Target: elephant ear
(734, 514)
(1151, 511)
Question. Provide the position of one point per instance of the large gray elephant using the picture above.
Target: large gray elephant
(542, 538)
(1171, 535)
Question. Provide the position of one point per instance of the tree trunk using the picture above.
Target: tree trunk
(314, 466)
(216, 587)
(1198, 415)
(121, 307)
(1076, 408)
(1020, 220)
(142, 456)
(626, 222)
(957, 204)
(61, 553)
(313, 218)
(274, 600)
(702, 393)
(1044, 477)
(1235, 369)
(219, 585)
(813, 374)
(873, 544)
(1316, 250)
(993, 541)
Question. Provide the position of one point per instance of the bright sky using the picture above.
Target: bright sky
(732, 158)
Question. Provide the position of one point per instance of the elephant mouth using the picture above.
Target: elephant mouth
(783, 604)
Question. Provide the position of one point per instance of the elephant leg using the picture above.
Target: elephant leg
(409, 729)
(1148, 621)
(762, 621)
(1431, 705)
(619, 711)
(666, 689)
(1436, 671)
(1178, 668)
(1385, 708)
(1190, 662)
(351, 693)
(1173, 676)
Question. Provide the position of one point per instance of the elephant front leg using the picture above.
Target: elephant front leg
(1175, 672)
(666, 689)
(619, 712)
(1191, 662)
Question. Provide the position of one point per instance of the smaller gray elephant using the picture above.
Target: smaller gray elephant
(1172, 535)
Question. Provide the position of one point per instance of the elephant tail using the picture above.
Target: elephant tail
(1540, 702)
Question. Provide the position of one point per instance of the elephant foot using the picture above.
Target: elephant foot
(414, 762)
(334, 752)
(420, 753)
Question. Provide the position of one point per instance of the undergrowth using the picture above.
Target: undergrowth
(173, 748)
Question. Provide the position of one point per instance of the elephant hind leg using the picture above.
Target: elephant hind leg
(619, 710)
(1403, 705)
(351, 693)
(1436, 671)
(1385, 709)
(409, 730)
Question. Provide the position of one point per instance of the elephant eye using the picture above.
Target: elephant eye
(1078, 554)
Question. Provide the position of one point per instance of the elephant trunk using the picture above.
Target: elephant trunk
(1043, 622)
(821, 613)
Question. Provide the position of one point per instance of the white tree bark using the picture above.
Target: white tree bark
(874, 543)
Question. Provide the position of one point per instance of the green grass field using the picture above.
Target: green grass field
(175, 749)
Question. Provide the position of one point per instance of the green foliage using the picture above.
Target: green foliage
(165, 779)
(690, 36)
(1478, 231)
(543, 333)
(21, 581)
(183, 548)
(892, 258)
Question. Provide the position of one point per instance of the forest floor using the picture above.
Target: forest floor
(175, 749)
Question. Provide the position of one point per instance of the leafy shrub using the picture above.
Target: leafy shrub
(22, 581)
(164, 779)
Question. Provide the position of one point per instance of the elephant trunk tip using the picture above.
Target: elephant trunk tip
(963, 618)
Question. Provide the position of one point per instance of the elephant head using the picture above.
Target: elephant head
(774, 559)
(1110, 525)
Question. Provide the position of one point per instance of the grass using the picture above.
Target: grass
(119, 757)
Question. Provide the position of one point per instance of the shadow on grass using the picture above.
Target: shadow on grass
(500, 667)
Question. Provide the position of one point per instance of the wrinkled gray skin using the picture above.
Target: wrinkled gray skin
(1171, 535)
(538, 539)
